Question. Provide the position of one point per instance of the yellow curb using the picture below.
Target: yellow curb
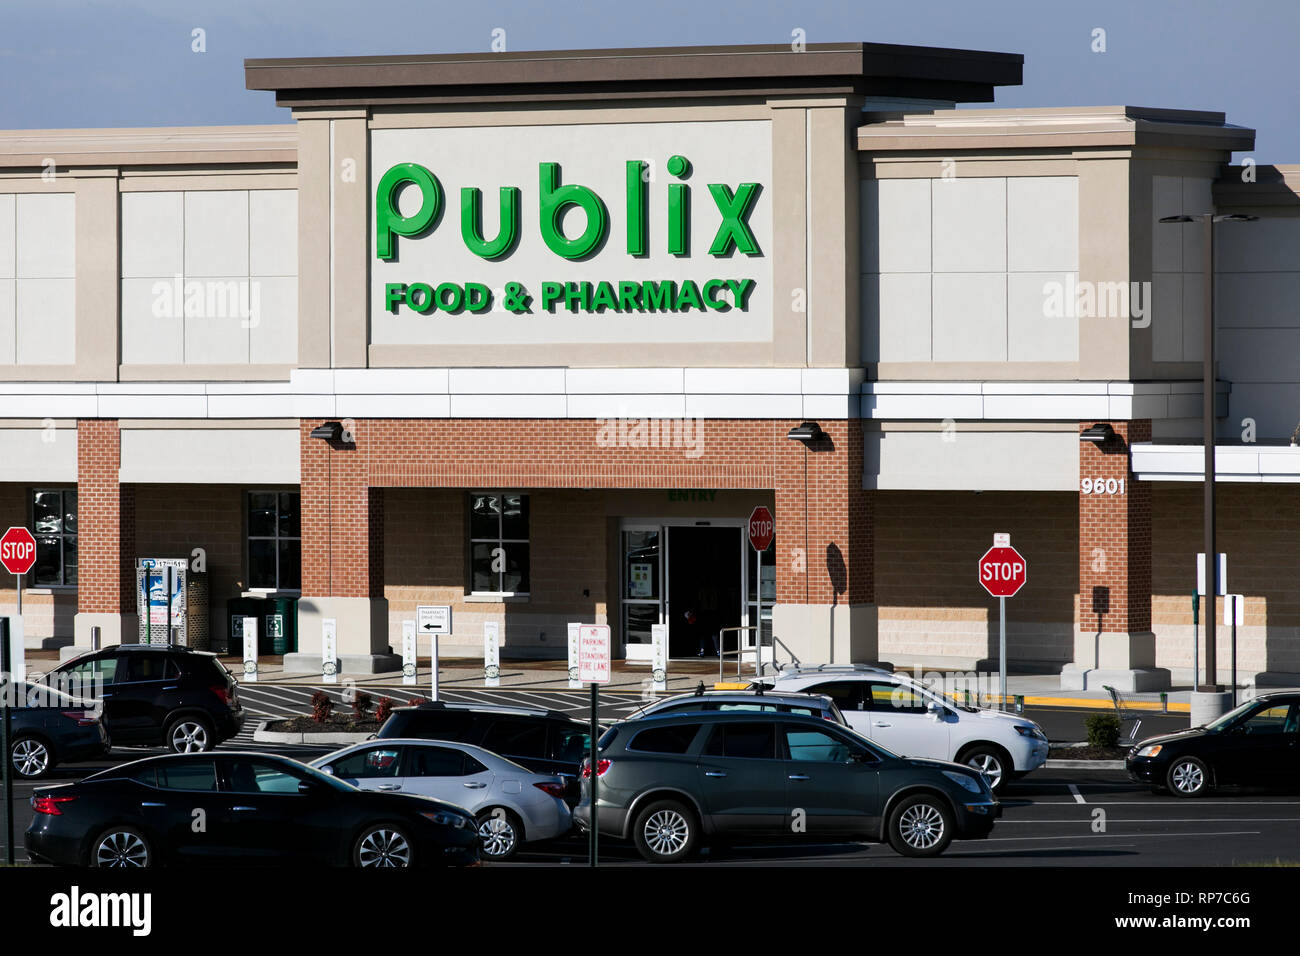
(1089, 703)
(732, 685)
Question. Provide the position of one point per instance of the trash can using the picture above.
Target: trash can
(280, 625)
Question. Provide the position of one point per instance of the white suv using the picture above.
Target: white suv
(913, 721)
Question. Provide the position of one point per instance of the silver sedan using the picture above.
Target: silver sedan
(513, 805)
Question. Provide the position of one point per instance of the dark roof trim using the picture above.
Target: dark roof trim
(872, 69)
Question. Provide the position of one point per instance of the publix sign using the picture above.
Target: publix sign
(578, 226)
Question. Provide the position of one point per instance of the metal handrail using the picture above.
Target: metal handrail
(723, 654)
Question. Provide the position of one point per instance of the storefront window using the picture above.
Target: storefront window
(54, 524)
(274, 541)
(498, 532)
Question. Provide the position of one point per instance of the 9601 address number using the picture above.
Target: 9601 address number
(1101, 486)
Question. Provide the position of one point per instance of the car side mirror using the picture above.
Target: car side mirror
(936, 709)
(327, 769)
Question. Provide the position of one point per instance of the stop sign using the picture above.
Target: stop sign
(17, 550)
(1002, 571)
(761, 528)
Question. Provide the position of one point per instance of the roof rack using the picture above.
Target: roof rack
(836, 669)
(493, 708)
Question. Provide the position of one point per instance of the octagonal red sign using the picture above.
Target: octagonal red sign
(17, 550)
(1002, 571)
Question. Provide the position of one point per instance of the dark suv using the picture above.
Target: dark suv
(154, 694)
(667, 783)
(545, 741)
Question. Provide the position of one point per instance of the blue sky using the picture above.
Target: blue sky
(90, 63)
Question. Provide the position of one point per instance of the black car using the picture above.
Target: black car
(157, 694)
(240, 809)
(1255, 745)
(545, 741)
(668, 783)
(50, 727)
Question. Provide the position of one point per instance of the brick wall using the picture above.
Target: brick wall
(1115, 536)
(105, 522)
(172, 520)
(427, 562)
(1258, 528)
(928, 544)
(47, 612)
(337, 480)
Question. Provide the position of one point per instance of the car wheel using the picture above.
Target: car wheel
(920, 826)
(121, 847)
(382, 845)
(991, 761)
(665, 832)
(189, 735)
(1188, 777)
(500, 833)
(31, 757)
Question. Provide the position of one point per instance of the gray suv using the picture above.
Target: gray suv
(669, 783)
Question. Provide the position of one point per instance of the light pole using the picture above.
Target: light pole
(1208, 220)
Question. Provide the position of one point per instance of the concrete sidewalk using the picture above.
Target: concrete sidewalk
(1038, 690)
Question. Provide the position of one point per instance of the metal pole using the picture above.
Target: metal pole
(758, 641)
(595, 733)
(1234, 650)
(11, 692)
(1211, 556)
(1196, 641)
(1002, 653)
(433, 653)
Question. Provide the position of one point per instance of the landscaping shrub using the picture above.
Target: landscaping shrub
(383, 709)
(321, 706)
(1103, 730)
(361, 704)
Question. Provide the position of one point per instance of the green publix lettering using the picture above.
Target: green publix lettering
(733, 207)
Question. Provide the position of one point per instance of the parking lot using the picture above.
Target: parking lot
(1053, 817)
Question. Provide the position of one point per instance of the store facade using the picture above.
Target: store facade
(528, 334)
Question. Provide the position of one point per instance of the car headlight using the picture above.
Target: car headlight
(964, 780)
(443, 818)
(1031, 730)
(1150, 750)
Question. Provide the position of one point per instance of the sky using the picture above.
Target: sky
(91, 63)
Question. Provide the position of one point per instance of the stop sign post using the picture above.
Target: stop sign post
(1002, 572)
(760, 529)
(17, 554)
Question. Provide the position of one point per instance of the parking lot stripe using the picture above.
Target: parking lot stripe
(1127, 836)
(1078, 797)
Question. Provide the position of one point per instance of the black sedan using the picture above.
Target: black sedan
(242, 809)
(49, 727)
(1255, 745)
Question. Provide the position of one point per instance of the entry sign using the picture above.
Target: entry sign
(761, 528)
(593, 654)
(1002, 571)
(17, 550)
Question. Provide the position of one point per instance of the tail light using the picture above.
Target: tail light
(83, 718)
(601, 766)
(551, 789)
(224, 693)
(50, 805)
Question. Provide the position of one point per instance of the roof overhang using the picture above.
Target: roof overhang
(715, 73)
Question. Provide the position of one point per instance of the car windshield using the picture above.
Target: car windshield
(1222, 723)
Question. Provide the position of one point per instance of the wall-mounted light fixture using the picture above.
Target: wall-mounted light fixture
(807, 433)
(1098, 434)
(329, 431)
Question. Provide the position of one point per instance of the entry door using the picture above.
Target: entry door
(642, 588)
